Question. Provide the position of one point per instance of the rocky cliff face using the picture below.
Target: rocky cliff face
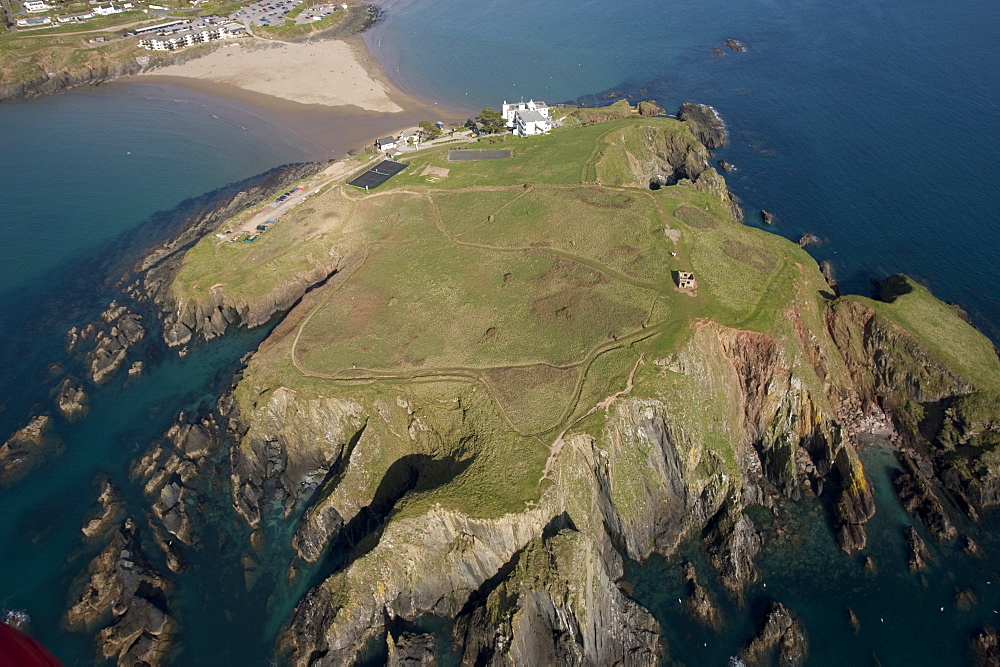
(52, 82)
(104, 68)
(186, 320)
(706, 125)
(671, 158)
(542, 582)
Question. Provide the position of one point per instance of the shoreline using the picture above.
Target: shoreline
(333, 95)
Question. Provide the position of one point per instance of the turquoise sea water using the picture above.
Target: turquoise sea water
(872, 124)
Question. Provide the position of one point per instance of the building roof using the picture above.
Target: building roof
(531, 117)
(385, 140)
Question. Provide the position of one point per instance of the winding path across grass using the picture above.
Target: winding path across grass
(479, 373)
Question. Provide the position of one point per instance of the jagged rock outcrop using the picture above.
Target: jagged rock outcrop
(918, 496)
(767, 217)
(986, 648)
(698, 600)
(71, 400)
(107, 340)
(826, 268)
(110, 513)
(412, 649)
(289, 450)
(808, 239)
(27, 448)
(126, 596)
(920, 555)
(669, 158)
(705, 122)
(780, 630)
(648, 108)
(172, 472)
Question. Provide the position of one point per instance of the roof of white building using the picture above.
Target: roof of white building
(531, 117)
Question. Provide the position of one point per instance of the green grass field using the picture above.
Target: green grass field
(510, 299)
(514, 273)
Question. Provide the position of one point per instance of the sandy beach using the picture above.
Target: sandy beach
(328, 96)
(330, 73)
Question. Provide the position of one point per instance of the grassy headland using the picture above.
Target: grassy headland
(535, 288)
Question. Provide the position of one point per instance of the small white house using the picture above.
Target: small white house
(385, 143)
(527, 118)
(33, 21)
(409, 139)
(108, 9)
(75, 18)
(34, 6)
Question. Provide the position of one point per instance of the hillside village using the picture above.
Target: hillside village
(178, 32)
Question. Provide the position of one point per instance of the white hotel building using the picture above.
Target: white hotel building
(527, 118)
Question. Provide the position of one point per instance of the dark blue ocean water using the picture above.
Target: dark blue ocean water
(873, 124)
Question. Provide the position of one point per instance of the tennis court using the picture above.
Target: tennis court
(377, 175)
(472, 155)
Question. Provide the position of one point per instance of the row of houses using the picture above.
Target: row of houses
(181, 34)
(407, 139)
(97, 9)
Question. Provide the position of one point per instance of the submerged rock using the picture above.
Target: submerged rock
(965, 599)
(735, 44)
(853, 620)
(129, 598)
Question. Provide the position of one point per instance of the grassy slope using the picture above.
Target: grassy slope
(526, 293)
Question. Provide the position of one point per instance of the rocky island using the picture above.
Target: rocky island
(491, 385)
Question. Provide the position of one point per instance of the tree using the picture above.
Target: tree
(430, 130)
(492, 121)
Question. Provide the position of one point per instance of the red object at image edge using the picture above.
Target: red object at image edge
(19, 650)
